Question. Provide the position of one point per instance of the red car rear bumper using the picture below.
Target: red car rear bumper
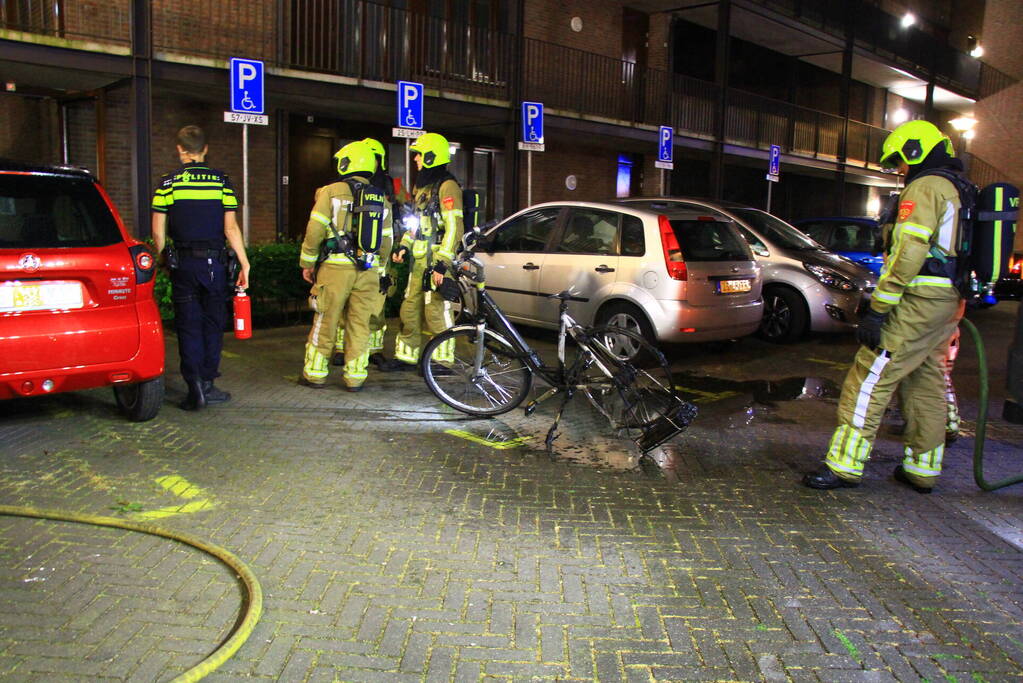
(147, 363)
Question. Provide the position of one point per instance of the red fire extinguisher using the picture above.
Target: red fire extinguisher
(242, 314)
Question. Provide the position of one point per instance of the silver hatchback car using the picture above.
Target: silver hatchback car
(806, 287)
(672, 275)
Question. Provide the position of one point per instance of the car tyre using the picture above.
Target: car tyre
(785, 316)
(629, 317)
(140, 401)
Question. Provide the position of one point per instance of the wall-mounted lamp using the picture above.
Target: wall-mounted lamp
(908, 19)
(963, 124)
(974, 47)
(900, 115)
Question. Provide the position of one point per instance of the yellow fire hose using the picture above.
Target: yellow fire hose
(253, 607)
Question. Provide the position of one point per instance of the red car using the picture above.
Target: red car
(76, 293)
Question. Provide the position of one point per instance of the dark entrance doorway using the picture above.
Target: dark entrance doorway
(311, 148)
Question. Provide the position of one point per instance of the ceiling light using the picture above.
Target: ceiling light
(977, 52)
(900, 115)
(908, 19)
(963, 123)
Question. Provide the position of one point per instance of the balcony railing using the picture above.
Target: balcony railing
(106, 22)
(368, 41)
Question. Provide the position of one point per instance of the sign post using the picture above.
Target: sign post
(410, 120)
(246, 107)
(773, 171)
(532, 140)
(665, 153)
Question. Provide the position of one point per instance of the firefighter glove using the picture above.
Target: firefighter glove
(385, 283)
(448, 289)
(868, 332)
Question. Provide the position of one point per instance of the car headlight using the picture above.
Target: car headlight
(830, 278)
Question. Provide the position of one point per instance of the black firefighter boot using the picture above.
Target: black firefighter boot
(196, 399)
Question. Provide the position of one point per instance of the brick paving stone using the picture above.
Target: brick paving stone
(389, 550)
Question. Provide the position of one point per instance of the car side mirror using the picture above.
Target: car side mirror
(760, 250)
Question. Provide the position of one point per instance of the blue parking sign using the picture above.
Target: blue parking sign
(774, 160)
(246, 86)
(665, 148)
(410, 104)
(532, 122)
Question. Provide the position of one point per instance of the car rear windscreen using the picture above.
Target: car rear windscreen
(703, 240)
(46, 211)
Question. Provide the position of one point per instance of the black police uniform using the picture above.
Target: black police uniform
(195, 198)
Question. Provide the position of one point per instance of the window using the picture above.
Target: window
(623, 186)
(50, 211)
(818, 232)
(709, 241)
(633, 243)
(776, 230)
(590, 232)
(759, 248)
(527, 233)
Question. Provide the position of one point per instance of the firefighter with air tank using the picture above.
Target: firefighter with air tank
(396, 198)
(431, 245)
(341, 258)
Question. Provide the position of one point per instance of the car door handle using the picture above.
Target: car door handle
(530, 266)
(604, 269)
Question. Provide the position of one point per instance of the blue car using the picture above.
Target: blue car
(858, 238)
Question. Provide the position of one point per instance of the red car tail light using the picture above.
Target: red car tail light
(144, 263)
(673, 261)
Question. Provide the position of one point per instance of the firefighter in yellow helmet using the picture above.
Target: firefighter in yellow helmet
(913, 313)
(378, 321)
(431, 246)
(341, 258)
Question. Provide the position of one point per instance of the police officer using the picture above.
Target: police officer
(199, 204)
(395, 199)
(905, 334)
(431, 247)
(346, 276)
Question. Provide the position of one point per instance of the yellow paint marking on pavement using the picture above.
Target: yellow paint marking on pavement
(511, 443)
(180, 486)
(706, 396)
(229, 354)
(63, 414)
(833, 363)
(194, 506)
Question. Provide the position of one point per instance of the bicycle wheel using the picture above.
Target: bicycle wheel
(630, 397)
(498, 384)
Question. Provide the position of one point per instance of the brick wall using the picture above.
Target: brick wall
(224, 29)
(97, 19)
(225, 142)
(30, 130)
(595, 171)
(1000, 117)
(601, 24)
(81, 127)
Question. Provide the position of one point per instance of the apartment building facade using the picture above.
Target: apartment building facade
(106, 85)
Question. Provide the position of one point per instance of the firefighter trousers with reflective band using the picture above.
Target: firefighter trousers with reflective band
(377, 329)
(914, 341)
(341, 291)
(423, 314)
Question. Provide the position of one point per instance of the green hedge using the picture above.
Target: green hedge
(279, 294)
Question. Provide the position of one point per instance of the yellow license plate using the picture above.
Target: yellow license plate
(734, 286)
(36, 296)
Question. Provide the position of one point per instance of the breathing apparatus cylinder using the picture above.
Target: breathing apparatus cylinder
(242, 314)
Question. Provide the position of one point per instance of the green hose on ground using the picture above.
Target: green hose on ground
(255, 592)
(978, 439)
